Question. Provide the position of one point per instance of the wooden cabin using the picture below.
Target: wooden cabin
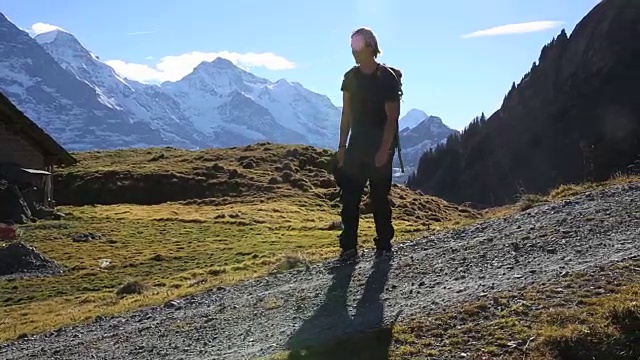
(27, 147)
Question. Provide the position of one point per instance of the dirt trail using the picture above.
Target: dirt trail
(309, 306)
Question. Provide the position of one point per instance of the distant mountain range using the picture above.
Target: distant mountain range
(85, 105)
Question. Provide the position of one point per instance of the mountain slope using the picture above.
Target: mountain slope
(140, 102)
(64, 106)
(428, 133)
(574, 116)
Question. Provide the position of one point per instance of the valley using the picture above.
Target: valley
(200, 221)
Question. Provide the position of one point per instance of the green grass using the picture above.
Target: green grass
(172, 249)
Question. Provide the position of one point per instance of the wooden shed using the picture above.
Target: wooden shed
(28, 147)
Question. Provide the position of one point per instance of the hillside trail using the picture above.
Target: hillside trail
(299, 308)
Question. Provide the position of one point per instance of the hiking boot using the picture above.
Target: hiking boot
(348, 255)
(382, 249)
(383, 254)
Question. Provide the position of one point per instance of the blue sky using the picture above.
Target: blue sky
(446, 73)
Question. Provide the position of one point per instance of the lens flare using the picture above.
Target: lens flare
(357, 43)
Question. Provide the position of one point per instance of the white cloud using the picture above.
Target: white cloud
(173, 68)
(40, 27)
(521, 28)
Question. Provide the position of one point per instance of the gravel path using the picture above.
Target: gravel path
(301, 307)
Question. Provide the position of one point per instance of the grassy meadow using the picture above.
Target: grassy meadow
(146, 254)
(170, 222)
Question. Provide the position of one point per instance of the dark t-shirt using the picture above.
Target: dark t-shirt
(368, 94)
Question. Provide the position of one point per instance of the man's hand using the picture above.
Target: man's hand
(382, 156)
(340, 156)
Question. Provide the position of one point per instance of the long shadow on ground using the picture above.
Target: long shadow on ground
(331, 333)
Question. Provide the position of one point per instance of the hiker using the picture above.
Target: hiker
(371, 107)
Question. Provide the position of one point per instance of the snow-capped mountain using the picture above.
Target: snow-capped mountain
(412, 118)
(84, 104)
(139, 102)
(222, 99)
(418, 133)
(59, 102)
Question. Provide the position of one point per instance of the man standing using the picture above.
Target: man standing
(371, 107)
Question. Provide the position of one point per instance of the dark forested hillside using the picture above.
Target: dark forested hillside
(574, 116)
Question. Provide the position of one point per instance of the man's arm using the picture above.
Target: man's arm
(345, 119)
(392, 109)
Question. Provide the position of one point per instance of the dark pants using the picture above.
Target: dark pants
(356, 173)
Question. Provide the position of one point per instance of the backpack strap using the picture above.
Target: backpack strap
(398, 77)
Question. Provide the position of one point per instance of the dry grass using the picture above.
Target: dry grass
(148, 254)
(158, 175)
(562, 192)
(570, 321)
(585, 316)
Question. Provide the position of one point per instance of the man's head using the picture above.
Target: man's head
(364, 45)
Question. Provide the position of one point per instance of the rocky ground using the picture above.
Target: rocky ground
(293, 310)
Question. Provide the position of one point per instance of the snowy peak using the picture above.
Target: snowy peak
(136, 102)
(47, 37)
(283, 82)
(216, 78)
(412, 118)
(59, 36)
(416, 113)
(419, 132)
(431, 127)
(216, 67)
(296, 114)
(64, 46)
(417, 120)
(60, 102)
(283, 87)
(222, 63)
(67, 50)
(432, 124)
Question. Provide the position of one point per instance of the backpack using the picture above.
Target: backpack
(398, 75)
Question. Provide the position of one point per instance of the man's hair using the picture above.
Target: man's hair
(370, 39)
